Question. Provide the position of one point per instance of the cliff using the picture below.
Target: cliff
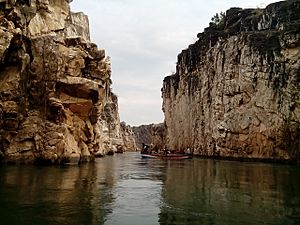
(56, 104)
(128, 137)
(235, 92)
(152, 134)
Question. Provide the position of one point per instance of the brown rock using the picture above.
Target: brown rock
(235, 91)
(56, 104)
(153, 135)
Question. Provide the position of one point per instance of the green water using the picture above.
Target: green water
(127, 190)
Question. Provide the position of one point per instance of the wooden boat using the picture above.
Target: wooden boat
(120, 151)
(166, 156)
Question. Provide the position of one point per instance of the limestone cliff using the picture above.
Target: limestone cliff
(152, 134)
(56, 104)
(236, 91)
(128, 138)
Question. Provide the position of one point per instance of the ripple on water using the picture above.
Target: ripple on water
(127, 190)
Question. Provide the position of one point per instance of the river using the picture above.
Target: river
(127, 190)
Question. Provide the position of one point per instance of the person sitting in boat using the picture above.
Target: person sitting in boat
(188, 151)
(166, 151)
(145, 149)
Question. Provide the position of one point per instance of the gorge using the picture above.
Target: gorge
(235, 93)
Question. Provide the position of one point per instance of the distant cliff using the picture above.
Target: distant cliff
(56, 104)
(236, 91)
(128, 138)
(152, 134)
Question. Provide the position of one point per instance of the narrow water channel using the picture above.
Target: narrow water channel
(127, 190)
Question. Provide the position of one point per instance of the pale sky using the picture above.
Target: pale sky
(143, 39)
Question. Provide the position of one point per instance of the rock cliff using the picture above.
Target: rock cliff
(236, 90)
(152, 134)
(128, 137)
(56, 104)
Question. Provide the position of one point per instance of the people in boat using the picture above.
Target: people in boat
(166, 151)
(146, 149)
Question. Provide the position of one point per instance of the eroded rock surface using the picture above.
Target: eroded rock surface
(236, 91)
(56, 104)
(128, 137)
(152, 134)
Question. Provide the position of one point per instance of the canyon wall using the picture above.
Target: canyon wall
(128, 137)
(56, 103)
(236, 90)
(152, 134)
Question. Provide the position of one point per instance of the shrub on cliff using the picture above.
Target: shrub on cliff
(218, 20)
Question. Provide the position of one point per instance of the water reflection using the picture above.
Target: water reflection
(126, 190)
(222, 192)
(138, 191)
(55, 195)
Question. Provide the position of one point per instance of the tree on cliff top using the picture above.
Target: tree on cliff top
(217, 20)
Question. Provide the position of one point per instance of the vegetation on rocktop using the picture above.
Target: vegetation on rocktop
(218, 20)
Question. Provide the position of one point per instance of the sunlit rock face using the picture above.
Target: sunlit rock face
(236, 91)
(128, 137)
(116, 136)
(54, 86)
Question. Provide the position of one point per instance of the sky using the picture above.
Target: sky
(143, 39)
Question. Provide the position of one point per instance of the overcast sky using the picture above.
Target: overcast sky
(143, 39)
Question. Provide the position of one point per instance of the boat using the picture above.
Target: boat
(147, 153)
(166, 156)
(149, 156)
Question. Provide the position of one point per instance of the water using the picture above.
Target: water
(127, 190)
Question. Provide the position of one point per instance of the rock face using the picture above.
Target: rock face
(128, 138)
(56, 104)
(236, 91)
(153, 135)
